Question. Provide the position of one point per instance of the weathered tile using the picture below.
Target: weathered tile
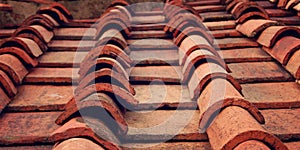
(74, 33)
(61, 59)
(154, 57)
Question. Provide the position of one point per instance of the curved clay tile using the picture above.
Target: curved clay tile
(100, 76)
(37, 30)
(108, 50)
(77, 143)
(53, 21)
(173, 24)
(42, 45)
(99, 63)
(254, 27)
(245, 7)
(7, 85)
(118, 3)
(235, 125)
(291, 4)
(121, 9)
(113, 41)
(99, 103)
(117, 15)
(102, 27)
(123, 97)
(293, 66)
(184, 53)
(204, 74)
(4, 100)
(62, 9)
(12, 66)
(252, 15)
(193, 31)
(86, 127)
(112, 33)
(192, 40)
(230, 4)
(252, 144)
(54, 13)
(272, 34)
(171, 10)
(28, 45)
(195, 59)
(35, 20)
(21, 55)
(285, 48)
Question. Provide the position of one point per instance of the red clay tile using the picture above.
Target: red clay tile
(21, 55)
(112, 24)
(226, 33)
(205, 49)
(266, 4)
(284, 123)
(278, 13)
(204, 74)
(244, 7)
(37, 30)
(61, 59)
(234, 125)
(220, 25)
(77, 143)
(42, 45)
(4, 101)
(195, 59)
(41, 98)
(122, 96)
(208, 8)
(169, 74)
(99, 106)
(27, 45)
(229, 43)
(7, 85)
(116, 14)
(272, 34)
(54, 13)
(105, 75)
(86, 127)
(240, 55)
(154, 57)
(293, 20)
(291, 4)
(119, 42)
(177, 20)
(258, 72)
(193, 31)
(38, 19)
(52, 76)
(293, 65)
(262, 95)
(196, 3)
(251, 15)
(13, 67)
(254, 27)
(219, 94)
(75, 33)
(99, 63)
(252, 144)
(166, 145)
(149, 34)
(118, 3)
(230, 4)
(109, 50)
(27, 128)
(70, 45)
(62, 9)
(51, 19)
(285, 48)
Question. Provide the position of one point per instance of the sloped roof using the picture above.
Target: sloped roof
(197, 75)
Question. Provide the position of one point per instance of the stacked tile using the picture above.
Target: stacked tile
(288, 5)
(223, 109)
(20, 52)
(280, 41)
(104, 92)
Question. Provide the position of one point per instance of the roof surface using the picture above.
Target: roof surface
(197, 75)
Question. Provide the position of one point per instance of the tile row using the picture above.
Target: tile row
(19, 53)
(219, 95)
(104, 92)
(287, 5)
(277, 39)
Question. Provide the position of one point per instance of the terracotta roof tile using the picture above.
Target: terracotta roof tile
(77, 143)
(5, 7)
(272, 34)
(39, 31)
(226, 132)
(293, 65)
